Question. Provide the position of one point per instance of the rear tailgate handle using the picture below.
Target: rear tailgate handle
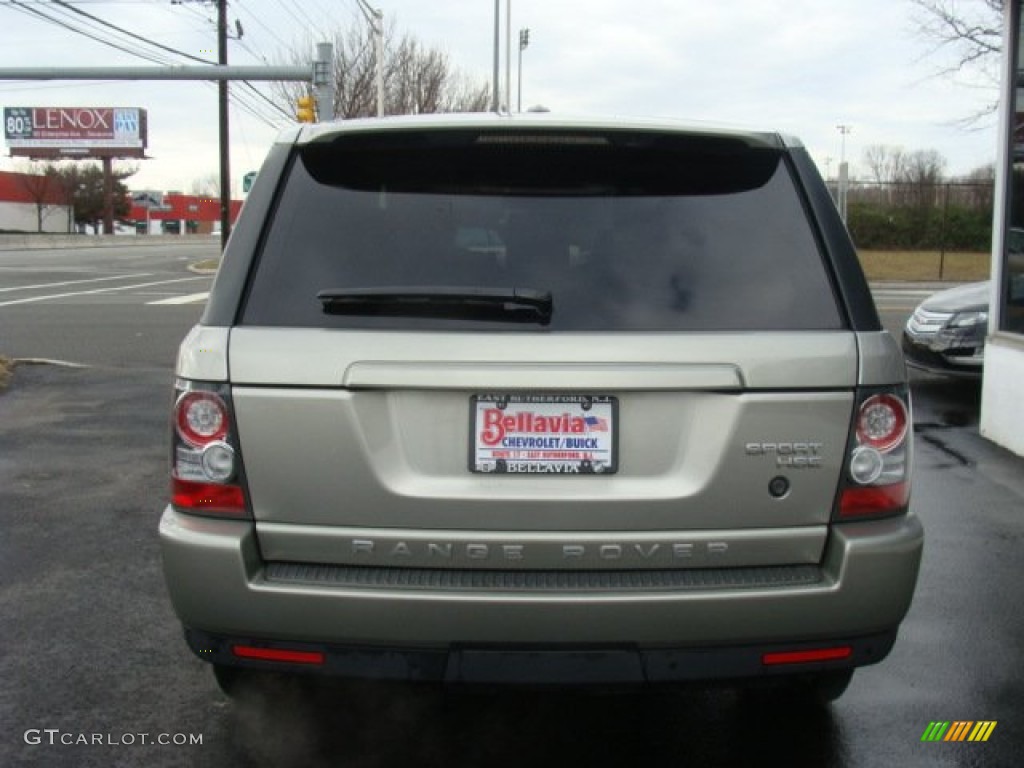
(574, 376)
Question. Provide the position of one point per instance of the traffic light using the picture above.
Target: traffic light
(305, 109)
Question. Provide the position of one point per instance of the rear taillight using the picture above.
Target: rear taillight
(881, 422)
(201, 417)
(877, 477)
(206, 476)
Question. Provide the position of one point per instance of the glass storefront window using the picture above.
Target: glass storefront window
(1012, 289)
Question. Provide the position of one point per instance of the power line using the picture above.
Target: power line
(207, 23)
(262, 24)
(273, 104)
(95, 21)
(98, 26)
(16, 5)
(131, 34)
(79, 24)
(79, 2)
(291, 13)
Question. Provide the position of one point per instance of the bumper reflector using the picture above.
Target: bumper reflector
(277, 654)
(873, 500)
(807, 657)
(211, 498)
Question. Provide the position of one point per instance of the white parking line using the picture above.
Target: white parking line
(74, 282)
(192, 298)
(34, 299)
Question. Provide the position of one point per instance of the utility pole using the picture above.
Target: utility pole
(108, 195)
(225, 146)
(524, 41)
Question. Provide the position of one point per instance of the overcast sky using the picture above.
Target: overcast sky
(803, 67)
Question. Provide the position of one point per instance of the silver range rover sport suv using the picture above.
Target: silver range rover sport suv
(534, 400)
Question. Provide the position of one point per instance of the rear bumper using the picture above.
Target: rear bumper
(221, 591)
(540, 665)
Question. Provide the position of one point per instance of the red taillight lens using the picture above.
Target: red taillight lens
(862, 502)
(837, 653)
(206, 469)
(201, 417)
(209, 498)
(878, 458)
(882, 422)
(277, 654)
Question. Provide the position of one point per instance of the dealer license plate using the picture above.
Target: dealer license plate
(544, 434)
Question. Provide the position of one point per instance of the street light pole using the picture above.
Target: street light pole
(844, 172)
(524, 41)
(225, 147)
(495, 98)
(508, 56)
(844, 130)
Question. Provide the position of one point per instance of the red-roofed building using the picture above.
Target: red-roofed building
(25, 198)
(189, 213)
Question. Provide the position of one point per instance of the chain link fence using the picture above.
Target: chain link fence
(921, 231)
(942, 216)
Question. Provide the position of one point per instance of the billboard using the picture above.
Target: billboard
(75, 131)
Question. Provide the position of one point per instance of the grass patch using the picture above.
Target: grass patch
(926, 265)
(6, 367)
(210, 264)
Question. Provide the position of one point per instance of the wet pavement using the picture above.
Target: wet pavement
(91, 650)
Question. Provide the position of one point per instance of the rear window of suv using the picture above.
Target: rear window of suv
(617, 231)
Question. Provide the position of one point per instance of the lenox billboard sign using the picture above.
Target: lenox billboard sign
(75, 131)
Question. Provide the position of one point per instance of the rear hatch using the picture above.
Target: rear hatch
(543, 348)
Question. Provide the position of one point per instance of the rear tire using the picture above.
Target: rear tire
(810, 690)
(829, 686)
(241, 682)
(229, 679)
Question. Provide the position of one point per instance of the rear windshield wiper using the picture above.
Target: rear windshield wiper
(517, 305)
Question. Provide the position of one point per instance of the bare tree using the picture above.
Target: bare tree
(921, 177)
(967, 35)
(972, 31)
(206, 186)
(46, 190)
(417, 79)
(886, 165)
(906, 178)
(979, 186)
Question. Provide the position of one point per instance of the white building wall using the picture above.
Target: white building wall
(21, 217)
(1002, 392)
(1002, 389)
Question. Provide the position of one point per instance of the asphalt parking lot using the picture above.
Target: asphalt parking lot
(92, 651)
(95, 672)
